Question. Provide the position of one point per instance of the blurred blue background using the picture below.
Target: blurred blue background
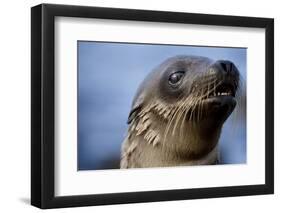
(108, 77)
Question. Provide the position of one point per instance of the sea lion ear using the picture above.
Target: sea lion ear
(133, 114)
(136, 108)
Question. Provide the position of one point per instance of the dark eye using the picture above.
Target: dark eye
(175, 77)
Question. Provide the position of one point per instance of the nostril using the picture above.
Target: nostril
(224, 66)
(227, 66)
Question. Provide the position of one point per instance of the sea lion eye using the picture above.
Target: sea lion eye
(175, 77)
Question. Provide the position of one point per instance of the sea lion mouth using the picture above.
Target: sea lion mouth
(211, 90)
(224, 89)
(217, 98)
(222, 95)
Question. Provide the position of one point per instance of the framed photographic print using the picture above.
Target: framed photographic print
(140, 106)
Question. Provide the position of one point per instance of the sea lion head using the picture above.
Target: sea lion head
(184, 102)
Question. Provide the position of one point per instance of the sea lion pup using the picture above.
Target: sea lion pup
(178, 113)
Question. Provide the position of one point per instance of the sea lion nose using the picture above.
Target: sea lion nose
(227, 66)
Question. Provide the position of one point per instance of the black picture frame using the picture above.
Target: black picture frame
(43, 101)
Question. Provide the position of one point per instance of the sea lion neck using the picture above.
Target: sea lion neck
(187, 138)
